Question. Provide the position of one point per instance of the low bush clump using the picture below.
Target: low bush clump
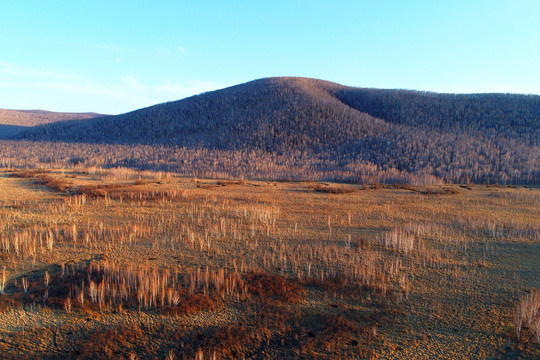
(270, 287)
(333, 189)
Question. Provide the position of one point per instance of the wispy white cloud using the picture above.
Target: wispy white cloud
(163, 51)
(133, 82)
(112, 48)
(8, 67)
(186, 88)
(28, 87)
(14, 70)
(114, 60)
(170, 51)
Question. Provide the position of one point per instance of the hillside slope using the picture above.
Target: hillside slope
(13, 122)
(273, 114)
(479, 137)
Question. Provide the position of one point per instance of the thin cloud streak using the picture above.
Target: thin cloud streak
(115, 49)
(51, 90)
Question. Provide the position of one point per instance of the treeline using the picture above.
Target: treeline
(485, 138)
(202, 163)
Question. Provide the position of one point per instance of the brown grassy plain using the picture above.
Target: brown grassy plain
(150, 265)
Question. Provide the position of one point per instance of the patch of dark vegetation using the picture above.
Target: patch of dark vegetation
(325, 335)
(282, 331)
(193, 303)
(119, 342)
(330, 332)
(429, 190)
(86, 288)
(273, 288)
(8, 302)
(103, 286)
(275, 326)
(374, 292)
(126, 192)
(53, 183)
(113, 191)
(42, 178)
(229, 182)
(225, 342)
(100, 190)
(26, 174)
(333, 189)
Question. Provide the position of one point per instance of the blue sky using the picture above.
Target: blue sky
(116, 56)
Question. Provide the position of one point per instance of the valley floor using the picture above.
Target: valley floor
(123, 264)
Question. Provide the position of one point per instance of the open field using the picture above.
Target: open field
(124, 264)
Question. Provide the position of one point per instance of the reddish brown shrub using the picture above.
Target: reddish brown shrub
(25, 174)
(192, 304)
(270, 287)
(115, 343)
(7, 302)
(332, 189)
(227, 342)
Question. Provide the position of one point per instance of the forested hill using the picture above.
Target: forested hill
(13, 122)
(478, 137)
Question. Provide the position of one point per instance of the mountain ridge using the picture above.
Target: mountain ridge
(13, 122)
(446, 135)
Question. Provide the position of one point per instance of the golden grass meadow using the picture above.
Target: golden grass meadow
(117, 263)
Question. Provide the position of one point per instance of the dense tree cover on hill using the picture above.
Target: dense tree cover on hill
(8, 131)
(13, 122)
(39, 117)
(457, 138)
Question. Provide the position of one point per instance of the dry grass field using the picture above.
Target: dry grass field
(103, 264)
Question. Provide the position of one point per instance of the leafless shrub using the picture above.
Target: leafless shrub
(67, 305)
(3, 281)
(170, 355)
(527, 314)
(26, 242)
(398, 239)
(24, 282)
